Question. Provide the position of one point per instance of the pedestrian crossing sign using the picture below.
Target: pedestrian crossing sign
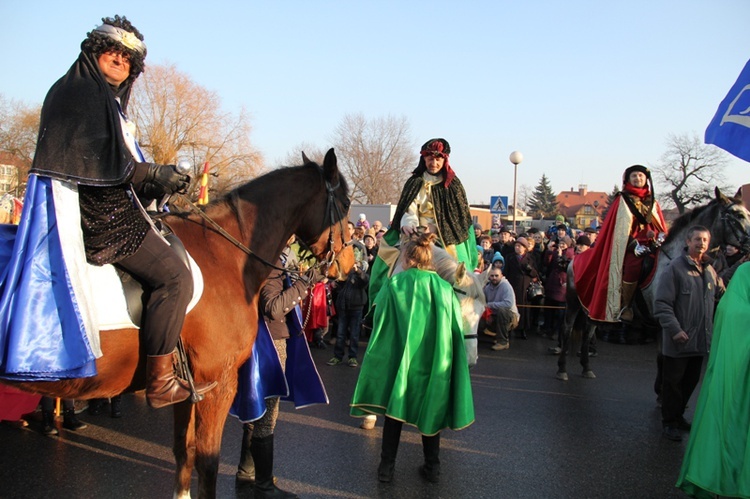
(499, 205)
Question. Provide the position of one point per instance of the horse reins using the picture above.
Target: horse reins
(229, 237)
(332, 210)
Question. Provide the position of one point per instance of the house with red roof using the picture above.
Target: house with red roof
(582, 208)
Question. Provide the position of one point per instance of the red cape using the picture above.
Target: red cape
(591, 269)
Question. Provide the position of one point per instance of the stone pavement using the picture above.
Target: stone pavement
(534, 437)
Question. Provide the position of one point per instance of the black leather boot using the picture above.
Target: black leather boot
(164, 387)
(115, 408)
(262, 452)
(430, 470)
(246, 468)
(96, 406)
(71, 421)
(389, 449)
(48, 424)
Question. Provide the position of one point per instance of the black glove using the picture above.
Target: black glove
(164, 179)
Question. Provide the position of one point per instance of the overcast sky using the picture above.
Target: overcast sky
(582, 88)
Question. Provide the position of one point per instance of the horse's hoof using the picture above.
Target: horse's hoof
(588, 374)
(562, 376)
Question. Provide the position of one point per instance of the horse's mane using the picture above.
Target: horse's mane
(230, 200)
(445, 265)
(686, 220)
(240, 192)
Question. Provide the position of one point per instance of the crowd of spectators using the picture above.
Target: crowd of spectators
(535, 265)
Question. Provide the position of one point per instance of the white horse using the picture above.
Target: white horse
(728, 221)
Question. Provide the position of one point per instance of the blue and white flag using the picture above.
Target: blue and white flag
(730, 128)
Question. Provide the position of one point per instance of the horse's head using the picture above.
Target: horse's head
(469, 289)
(735, 221)
(322, 225)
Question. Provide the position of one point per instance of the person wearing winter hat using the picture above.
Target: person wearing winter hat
(498, 260)
(363, 222)
(477, 231)
(591, 233)
(608, 275)
(583, 243)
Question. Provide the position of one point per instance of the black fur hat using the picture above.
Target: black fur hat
(636, 168)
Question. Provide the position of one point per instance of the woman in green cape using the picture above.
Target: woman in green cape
(717, 459)
(415, 369)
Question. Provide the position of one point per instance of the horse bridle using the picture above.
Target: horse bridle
(731, 220)
(333, 213)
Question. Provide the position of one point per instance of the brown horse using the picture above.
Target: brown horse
(309, 201)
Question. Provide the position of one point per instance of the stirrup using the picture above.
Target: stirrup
(183, 372)
(626, 311)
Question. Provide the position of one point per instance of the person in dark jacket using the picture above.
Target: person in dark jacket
(684, 307)
(278, 297)
(520, 270)
(556, 258)
(350, 304)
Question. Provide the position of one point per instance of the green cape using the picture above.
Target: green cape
(415, 367)
(717, 459)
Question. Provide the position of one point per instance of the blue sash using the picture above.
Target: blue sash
(262, 377)
(42, 335)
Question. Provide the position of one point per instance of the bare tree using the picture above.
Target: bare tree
(525, 194)
(19, 126)
(688, 172)
(377, 156)
(179, 119)
(313, 152)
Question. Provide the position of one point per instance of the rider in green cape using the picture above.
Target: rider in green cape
(433, 197)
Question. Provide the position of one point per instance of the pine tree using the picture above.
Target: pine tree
(610, 199)
(543, 202)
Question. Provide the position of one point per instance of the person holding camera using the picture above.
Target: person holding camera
(557, 257)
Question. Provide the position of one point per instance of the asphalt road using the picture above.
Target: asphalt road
(534, 436)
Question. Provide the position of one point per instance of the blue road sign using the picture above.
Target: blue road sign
(499, 205)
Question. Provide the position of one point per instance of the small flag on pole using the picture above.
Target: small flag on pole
(730, 128)
(203, 193)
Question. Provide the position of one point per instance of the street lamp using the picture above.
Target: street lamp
(516, 158)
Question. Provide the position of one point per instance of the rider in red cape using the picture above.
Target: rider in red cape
(607, 276)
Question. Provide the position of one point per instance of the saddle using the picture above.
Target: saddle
(133, 290)
(119, 296)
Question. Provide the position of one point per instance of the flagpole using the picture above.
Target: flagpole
(203, 193)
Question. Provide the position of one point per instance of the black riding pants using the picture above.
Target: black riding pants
(169, 290)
